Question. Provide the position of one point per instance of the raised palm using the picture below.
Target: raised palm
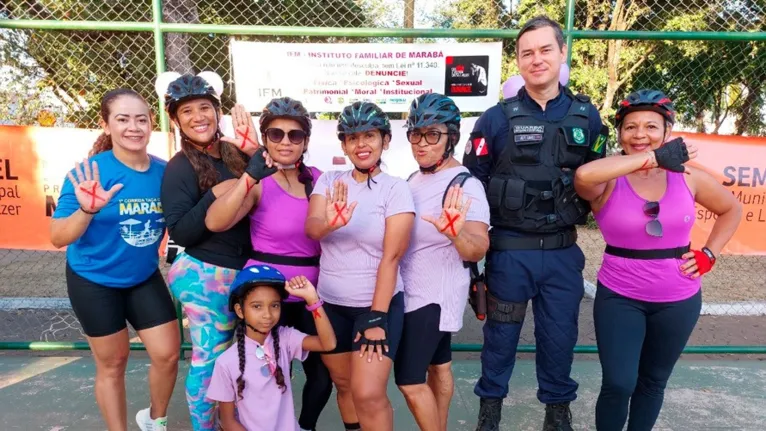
(338, 211)
(87, 187)
(453, 215)
(245, 136)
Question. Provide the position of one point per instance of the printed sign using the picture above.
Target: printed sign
(328, 77)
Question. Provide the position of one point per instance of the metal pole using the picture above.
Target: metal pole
(159, 59)
(569, 26)
(435, 33)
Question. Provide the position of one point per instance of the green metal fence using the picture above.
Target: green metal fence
(62, 55)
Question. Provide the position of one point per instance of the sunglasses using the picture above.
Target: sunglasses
(654, 227)
(295, 136)
(268, 368)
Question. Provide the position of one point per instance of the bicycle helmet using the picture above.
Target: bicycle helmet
(646, 100)
(434, 108)
(285, 107)
(361, 117)
(256, 275)
(189, 87)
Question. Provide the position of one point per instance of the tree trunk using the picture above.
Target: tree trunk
(746, 110)
(177, 52)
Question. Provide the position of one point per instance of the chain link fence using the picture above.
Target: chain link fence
(717, 80)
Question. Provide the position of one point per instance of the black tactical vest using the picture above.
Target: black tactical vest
(531, 186)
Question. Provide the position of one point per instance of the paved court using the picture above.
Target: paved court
(56, 394)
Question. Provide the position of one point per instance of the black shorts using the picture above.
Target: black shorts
(103, 310)
(423, 344)
(344, 323)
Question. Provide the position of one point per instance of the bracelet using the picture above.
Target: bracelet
(88, 212)
(709, 254)
(315, 306)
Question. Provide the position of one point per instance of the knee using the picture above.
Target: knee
(113, 366)
(413, 392)
(369, 398)
(649, 386)
(620, 387)
(166, 359)
(342, 385)
(442, 374)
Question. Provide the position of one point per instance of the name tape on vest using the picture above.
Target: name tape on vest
(528, 129)
(530, 137)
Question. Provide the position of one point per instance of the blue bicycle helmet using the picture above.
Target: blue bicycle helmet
(285, 107)
(189, 87)
(646, 100)
(361, 117)
(434, 108)
(256, 275)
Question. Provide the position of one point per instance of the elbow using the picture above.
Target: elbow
(58, 242)
(583, 175)
(213, 225)
(312, 229)
(330, 345)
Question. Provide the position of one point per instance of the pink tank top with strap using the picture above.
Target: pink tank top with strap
(278, 236)
(632, 266)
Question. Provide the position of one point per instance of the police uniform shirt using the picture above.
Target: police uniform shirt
(491, 132)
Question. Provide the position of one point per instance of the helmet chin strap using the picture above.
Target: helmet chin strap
(368, 172)
(431, 169)
(253, 328)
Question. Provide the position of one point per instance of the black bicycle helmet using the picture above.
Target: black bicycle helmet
(285, 107)
(256, 275)
(361, 117)
(646, 100)
(434, 108)
(189, 87)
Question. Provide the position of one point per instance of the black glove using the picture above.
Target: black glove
(373, 319)
(672, 155)
(257, 167)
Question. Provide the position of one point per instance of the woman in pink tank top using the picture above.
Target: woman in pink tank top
(274, 192)
(648, 297)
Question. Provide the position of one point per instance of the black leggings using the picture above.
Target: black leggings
(639, 343)
(318, 387)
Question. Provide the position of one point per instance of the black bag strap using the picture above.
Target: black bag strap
(460, 179)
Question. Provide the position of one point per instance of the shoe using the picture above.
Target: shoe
(489, 414)
(146, 423)
(558, 417)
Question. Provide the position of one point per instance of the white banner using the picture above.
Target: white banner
(325, 151)
(328, 77)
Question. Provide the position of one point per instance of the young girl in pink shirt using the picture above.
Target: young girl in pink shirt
(248, 380)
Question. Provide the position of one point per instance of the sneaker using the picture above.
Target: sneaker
(489, 414)
(146, 423)
(558, 417)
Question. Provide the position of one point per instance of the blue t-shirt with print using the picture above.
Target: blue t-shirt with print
(120, 248)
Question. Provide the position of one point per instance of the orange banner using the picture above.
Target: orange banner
(739, 163)
(34, 161)
(33, 164)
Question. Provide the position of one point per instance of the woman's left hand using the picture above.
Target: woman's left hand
(245, 136)
(373, 335)
(453, 215)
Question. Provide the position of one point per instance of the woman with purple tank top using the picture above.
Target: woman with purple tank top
(435, 280)
(362, 218)
(648, 297)
(274, 194)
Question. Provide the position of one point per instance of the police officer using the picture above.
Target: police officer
(525, 150)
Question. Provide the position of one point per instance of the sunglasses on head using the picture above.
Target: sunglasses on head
(653, 227)
(295, 136)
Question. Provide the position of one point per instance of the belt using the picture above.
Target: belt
(547, 242)
(277, 259)
(660, 253)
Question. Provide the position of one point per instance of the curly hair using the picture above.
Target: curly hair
(104, 141)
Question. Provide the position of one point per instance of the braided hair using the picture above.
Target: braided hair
(278, 375)
(241, 351)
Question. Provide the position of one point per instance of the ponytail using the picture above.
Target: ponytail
(103, 143)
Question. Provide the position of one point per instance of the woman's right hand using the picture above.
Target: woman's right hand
(245, 136)
(338, 211)
(87, 187)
